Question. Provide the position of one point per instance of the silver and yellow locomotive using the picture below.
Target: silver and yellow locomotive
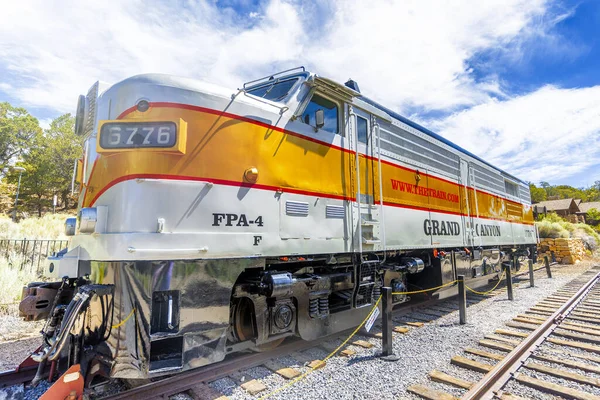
(213, 220)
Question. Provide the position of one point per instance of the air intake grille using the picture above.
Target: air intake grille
(296, 208)
(334, 212)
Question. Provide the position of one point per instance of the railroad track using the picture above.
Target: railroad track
(550, 350)
(195, 383)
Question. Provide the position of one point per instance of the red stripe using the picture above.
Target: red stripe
(386, 203)
(215, 181)
(268, 187)
(83, 179)
(298, 135)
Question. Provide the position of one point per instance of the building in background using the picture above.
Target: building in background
(566, 208)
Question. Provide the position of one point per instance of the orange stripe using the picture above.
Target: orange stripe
(301, 136)
(298, 166)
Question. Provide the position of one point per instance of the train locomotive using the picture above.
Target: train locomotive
(212, 221)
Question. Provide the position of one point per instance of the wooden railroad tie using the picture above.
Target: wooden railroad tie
(362, 343)
(509, 332)
(282, 370)
(443, 377)
(430, 394)
(467, 363)
(483, 353)
(401, 329)
(568, 363)
(496, 345)
(317, 364)
(253, 387)
(578, 345)
(576, 336)
(512, 342)
(560, 373)
(347, 353)
(554, 388)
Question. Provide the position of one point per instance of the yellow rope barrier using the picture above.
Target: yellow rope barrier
(426, 290)
(125, 320)
(304, 375)
(489, 291)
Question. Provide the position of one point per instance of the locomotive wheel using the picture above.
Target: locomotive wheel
(244, 325)
(243, 319)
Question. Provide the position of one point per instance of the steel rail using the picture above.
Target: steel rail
(185, 380)
(495, 379)
(17, 376)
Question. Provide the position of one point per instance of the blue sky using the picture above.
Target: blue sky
(514, 81)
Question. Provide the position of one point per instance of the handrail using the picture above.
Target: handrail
(471, 173)
(248, 84)
(381, 214)
(352, 120)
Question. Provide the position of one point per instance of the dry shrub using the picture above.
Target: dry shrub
(553, 226)
(13, 278)
(50, 226)
(547, 229)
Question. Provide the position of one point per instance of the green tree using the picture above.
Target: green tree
(64, 147)
(593, 192)
(592, 216)
(48, 164)
(18, 129)
(537, 194)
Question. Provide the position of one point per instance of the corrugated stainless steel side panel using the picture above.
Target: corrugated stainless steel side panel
(409, 146)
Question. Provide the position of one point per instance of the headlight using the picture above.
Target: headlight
(87, 220)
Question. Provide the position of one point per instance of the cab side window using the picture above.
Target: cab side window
(330, 110)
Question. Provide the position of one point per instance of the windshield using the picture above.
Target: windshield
(274, 91)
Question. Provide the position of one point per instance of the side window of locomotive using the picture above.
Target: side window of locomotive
(511, 188)
(361, 129)
(330, 110)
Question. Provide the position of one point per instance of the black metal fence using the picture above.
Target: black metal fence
(30, 253)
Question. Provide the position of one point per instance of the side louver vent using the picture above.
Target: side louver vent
(91, 98)
(296, 208)
(334, 212)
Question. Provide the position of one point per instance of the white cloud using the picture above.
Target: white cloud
(408, 55)
(403, 53)
(548, 134)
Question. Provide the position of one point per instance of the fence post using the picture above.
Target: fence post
(462, 300)
(509, 280)
(387, 350)
(33, 254)
(531, 281)
(547, 262)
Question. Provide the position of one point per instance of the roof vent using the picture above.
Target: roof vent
(352, 85)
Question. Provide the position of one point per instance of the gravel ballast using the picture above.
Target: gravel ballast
(421, 350)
